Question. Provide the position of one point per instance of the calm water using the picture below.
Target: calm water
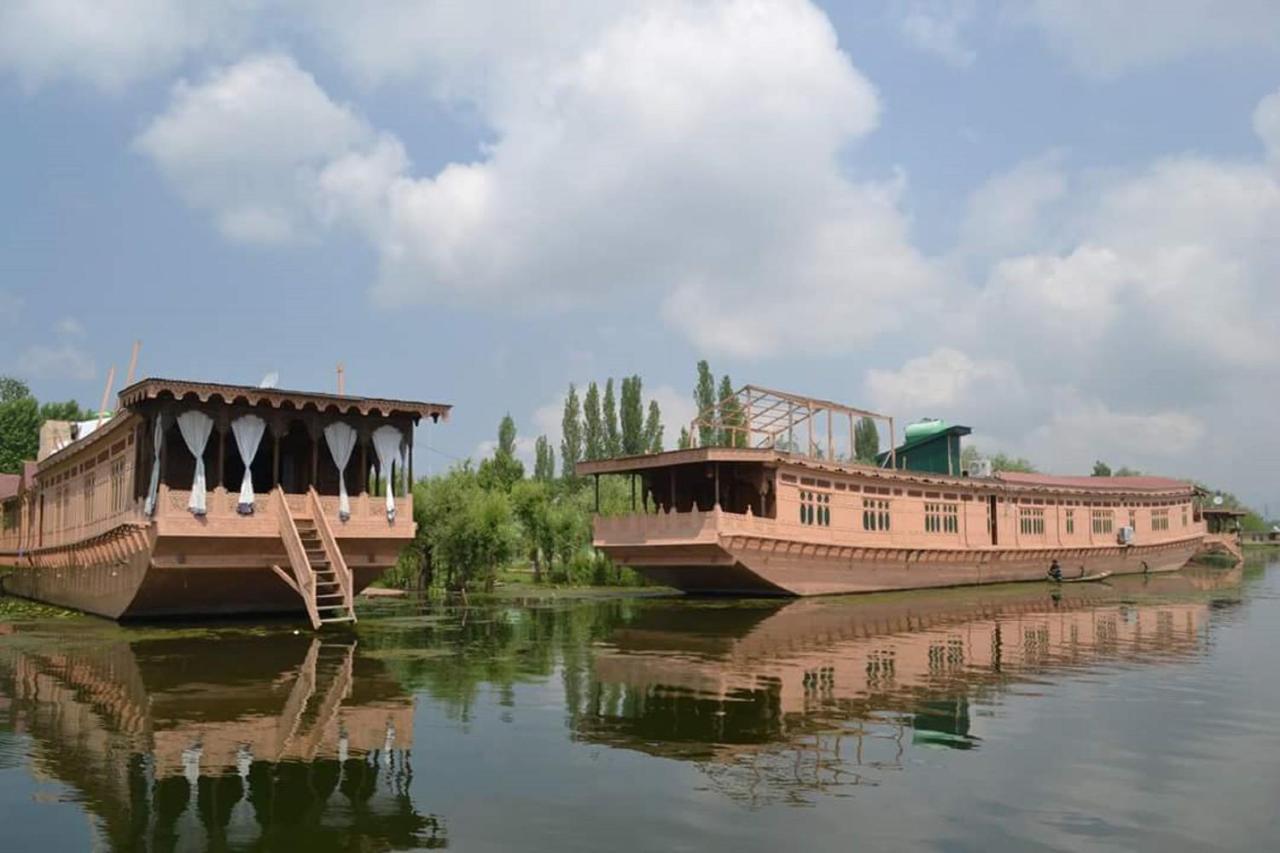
(1141, 715)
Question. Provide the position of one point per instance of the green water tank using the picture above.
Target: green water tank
(925, 428)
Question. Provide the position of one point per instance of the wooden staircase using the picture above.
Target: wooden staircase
(319, 571)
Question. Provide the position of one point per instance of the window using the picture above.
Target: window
(1159, 519)
(89, 483)
(1184, 516)
(875, 514)
(1031, 521)
(1071, 521)
(815, 508)
(1103, 521)
(118, 495)
(1133, 519)
(941, 518)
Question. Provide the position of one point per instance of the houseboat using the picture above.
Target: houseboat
(771, 501)
(197, 499)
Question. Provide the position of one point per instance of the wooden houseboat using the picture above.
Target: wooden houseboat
(199, 499)
(772, 504)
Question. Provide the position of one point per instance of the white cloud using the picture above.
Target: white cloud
(109, 44)
(686, 149)
(936, 26)
(63, 360)
(1266, 123)
(1008, 210)
(1105, 39)
(946, 381)
(1083, 430)
(249, 144)
(69, 327)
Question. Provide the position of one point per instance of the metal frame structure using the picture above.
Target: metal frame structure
(757, 417)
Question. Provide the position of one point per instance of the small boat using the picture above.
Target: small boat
(1098, 576)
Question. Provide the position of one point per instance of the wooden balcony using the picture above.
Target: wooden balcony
(368, 515)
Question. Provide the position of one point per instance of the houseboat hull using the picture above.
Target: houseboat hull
(144, 576)
(738, 565)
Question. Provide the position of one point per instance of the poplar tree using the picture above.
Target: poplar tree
(653, 429)
(685, 440)
(704, 397)
(504, 469)
(731, 415)
(544, 460)
(592, 427)
(634, 437)
(571, 435)
(612, 436)
(866, 441)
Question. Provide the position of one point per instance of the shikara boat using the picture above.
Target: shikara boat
(197, 499)
(771, 503)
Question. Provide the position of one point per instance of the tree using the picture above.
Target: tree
(504, 470)
(704, 398)
(612, 436)
(13, 389)
(531, 504)
(731, 415)
(866, 441)
(592, 426)
(68, 411)
(1101, 469)
(686, 441)
(653, 429)
(544, 460)
(1004, 462)
(19, 425)
(632, 417)
(1126, 471)
(19, 433)
(571, 435)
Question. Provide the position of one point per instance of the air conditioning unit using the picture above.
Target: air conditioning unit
(980, 468)
(1125, 536)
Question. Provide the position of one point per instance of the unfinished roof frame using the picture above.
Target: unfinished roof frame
(767, 414)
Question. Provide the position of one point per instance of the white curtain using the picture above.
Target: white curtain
(195, 427)
(248, 431)
(341, 439)
(386, 443)
(153, 490)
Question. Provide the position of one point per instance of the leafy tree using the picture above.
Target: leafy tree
(866, 441)
(592, 425)
(704, 397)
(19, 425)
(504, 469)
(1126, 471)
(686, 441)
(68, 411)
(612, 435)
(544, 460)
(531, 504)
(19, 433)
(653, 429)
(1004, 462)
(1101, 469)
(632, 417)
(571, 435)
(731, 415)
(13, 389)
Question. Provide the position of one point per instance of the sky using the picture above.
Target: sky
(1056, 221)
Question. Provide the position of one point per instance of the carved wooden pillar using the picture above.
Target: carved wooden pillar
(221, 424)
(277, 426)
(314, 430)
(409, 479)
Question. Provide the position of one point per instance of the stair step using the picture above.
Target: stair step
(338, 619)
(337, 595)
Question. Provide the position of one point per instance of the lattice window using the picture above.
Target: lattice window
(1031, 521)
(1159, 519)
(941, 518)
(1071, 521)
(815, 508)
(1103, 521)
(118, 495)
(875, 514)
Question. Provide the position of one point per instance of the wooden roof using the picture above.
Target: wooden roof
(1003, 482)
(278, 398)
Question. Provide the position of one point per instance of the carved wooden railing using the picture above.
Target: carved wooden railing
(304, 580)
(331, 549)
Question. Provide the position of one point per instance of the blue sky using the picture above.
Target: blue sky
(1052, 220)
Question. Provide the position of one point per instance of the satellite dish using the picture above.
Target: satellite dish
(271, 380)
(1217, 500)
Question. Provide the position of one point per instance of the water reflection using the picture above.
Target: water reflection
(783, 702)
(221, 742)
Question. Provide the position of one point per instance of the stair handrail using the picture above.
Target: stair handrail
(297, 556)
(333, 552)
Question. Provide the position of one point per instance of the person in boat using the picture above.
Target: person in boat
(1055, 571)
